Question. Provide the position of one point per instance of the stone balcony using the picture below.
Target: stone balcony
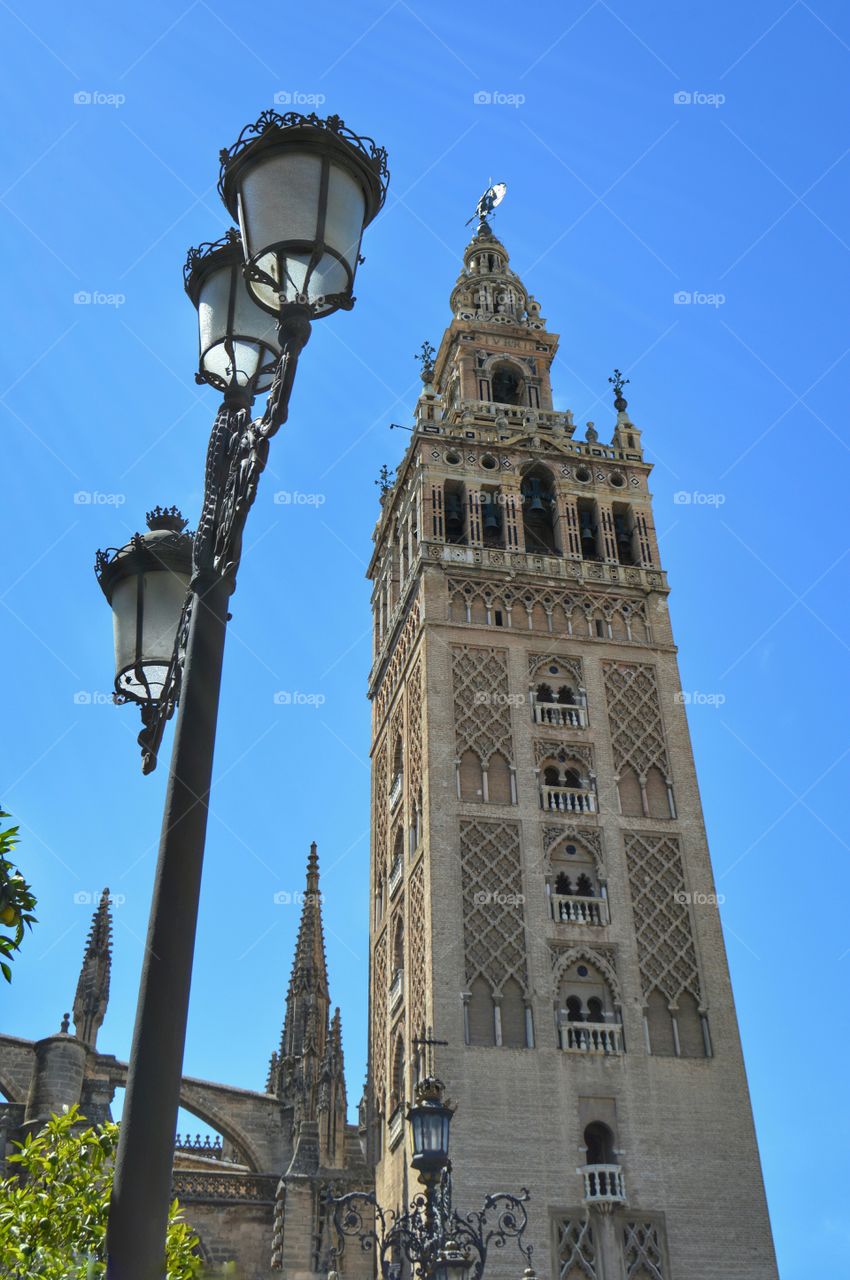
(396, 990)
(602, 1038)
(574, 909)
(558, 715)
(396, 875)
(567, 800)
(604, 1185)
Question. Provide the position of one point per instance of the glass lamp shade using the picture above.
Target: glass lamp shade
(238, 340)
(452, 1263)
(430, 1124)
(146, 582)
(303, 189)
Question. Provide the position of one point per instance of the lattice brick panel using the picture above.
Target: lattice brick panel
(642, 1250)
(666, 951)
(493, 914)
(379, 1020)
(417, 966)
(414, 731)
(634, 714)
(481, 701)
(576, 1248)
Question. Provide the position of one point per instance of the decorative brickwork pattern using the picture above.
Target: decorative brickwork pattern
(493, 918)
(576, 1248)
(634, 714)
(538, 664)
(559, 612)
(401, 651)
(414, 731)
(381, 814)
(482, 702)
(546, 749)
(666, 953)
(643, 1252)
(378, 1065)
(416, 950)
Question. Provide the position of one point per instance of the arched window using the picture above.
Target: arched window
(398, 1077)
(539, 511)
(563, 883)
(544, 693)
(551, 776)
(599, 1142)
(587, 1016)
(631, 803)
(513, 1015)
(471, 776)
(572, 778)
(482, 1024)
(499, 780)
(455, 511)
(398, 946)
(660, 1025)
(657, 799)
(574, 1009)
(379, 900)
(566, 697)
(508, 383)
(689, 1024)
(491, 517)
(398, 757)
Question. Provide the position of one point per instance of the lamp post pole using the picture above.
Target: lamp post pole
(287, 277)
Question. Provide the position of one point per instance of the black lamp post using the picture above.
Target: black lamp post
(304, 189)
(436, 1241)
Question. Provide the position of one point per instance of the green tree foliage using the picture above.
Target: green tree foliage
(17, 901)
(53, 1218)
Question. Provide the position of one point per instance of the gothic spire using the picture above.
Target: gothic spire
(307, 1001)
(92, 994)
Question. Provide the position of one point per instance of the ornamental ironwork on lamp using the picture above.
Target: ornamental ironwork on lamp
(432, 1237)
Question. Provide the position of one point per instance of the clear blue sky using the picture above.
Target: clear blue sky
(618, 198)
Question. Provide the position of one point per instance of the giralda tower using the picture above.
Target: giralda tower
(541, 885)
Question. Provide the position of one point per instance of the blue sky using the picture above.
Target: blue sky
(619, 197)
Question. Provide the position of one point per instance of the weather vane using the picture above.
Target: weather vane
(493, 196)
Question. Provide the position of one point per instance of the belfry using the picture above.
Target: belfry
(541, 884)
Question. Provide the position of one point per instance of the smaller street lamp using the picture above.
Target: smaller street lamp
(430, 1126)
(145, 582)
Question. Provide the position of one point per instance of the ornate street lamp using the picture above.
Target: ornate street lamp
(303, 189)
(437, 1242)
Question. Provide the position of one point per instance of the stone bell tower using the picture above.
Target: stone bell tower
(541, 885)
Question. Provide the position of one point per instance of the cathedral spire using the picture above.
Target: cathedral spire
(92, 993)
(307, 1001)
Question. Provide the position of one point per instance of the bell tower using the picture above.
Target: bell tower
(542, 894)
